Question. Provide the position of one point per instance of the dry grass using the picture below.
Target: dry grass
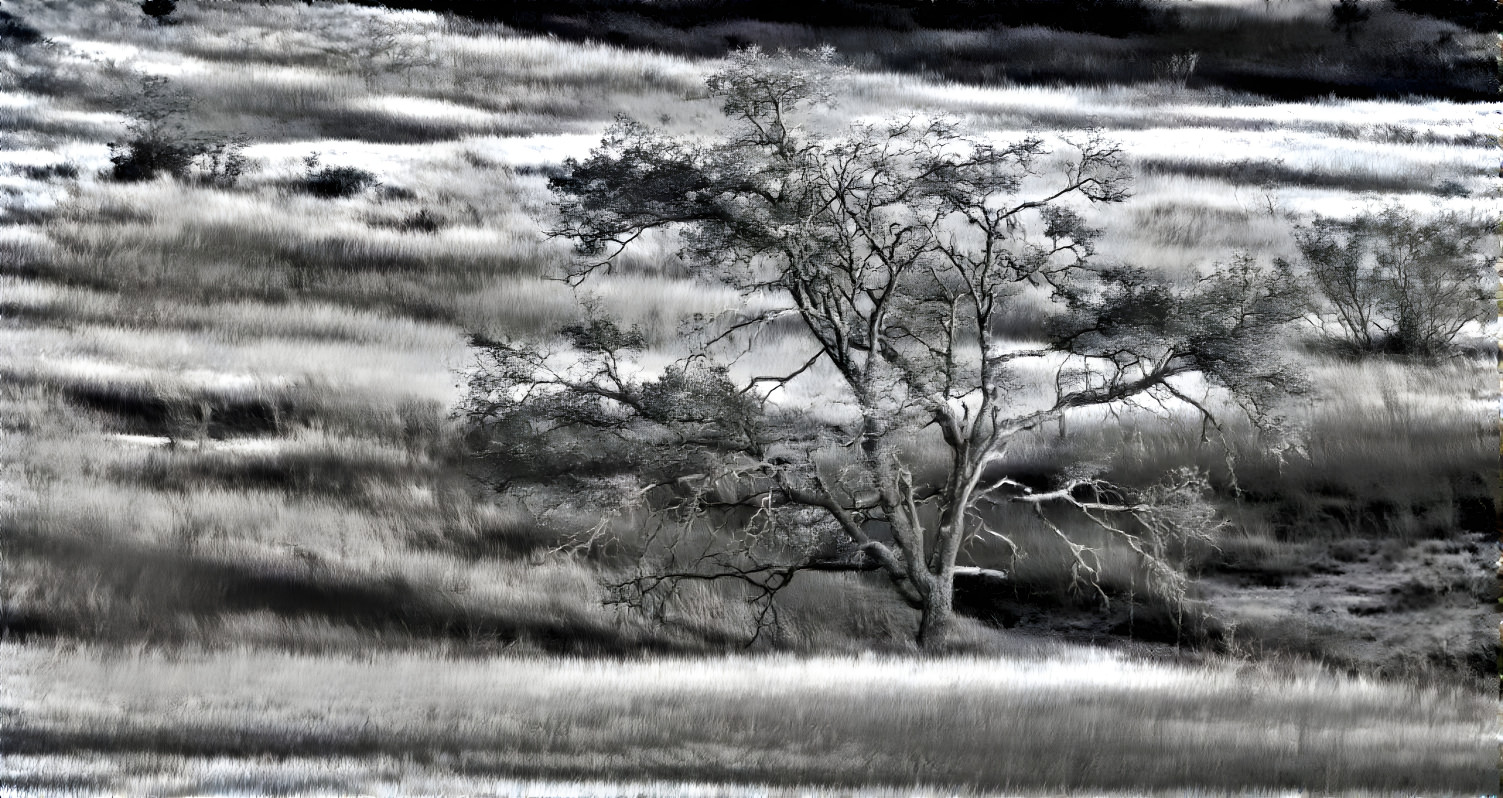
(857, 722)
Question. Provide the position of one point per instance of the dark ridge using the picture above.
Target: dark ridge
(15, 32)
(1085, 42)
(1285, 86)
(1257, 172)
(1116, 18)
(172, 584)
(141, 413)
(1021, 604)
(328, 473)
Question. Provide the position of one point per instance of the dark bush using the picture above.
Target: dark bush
(15, 32)
(51, 171)
(144, 158)
(332, 182)
(159, 10)
(1348, 16)
(158, 142)
(421, 222)
(222, 163)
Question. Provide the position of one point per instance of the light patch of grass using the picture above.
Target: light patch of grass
(867, 721)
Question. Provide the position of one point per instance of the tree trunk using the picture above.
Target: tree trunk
(937, 619)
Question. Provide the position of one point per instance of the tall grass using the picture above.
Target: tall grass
(1033, 725)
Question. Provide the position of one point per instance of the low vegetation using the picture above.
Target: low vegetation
(416, 722)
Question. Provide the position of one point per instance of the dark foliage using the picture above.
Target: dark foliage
(333, 182)
(14, 32)
(159, 10)
(1348, 16)
(424, 221)
(66, 171)
(159, 142)
(144, 158)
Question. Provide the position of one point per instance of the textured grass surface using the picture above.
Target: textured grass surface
(1059, 722)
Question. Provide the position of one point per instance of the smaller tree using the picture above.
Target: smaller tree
(1391, 283)
(158, 141)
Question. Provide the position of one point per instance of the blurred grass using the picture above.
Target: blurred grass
(1060, 726)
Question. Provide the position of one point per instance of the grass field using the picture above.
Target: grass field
(225, 422)
(147, 722)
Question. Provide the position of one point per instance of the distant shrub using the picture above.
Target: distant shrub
(332, 182)
(421, 222)
(1391, 283)
(1452, 188)
(222, 163)
(1348, 16)
(52, 171)
(1108, 17)
(143, 158)
(1178, 68)
(158, 142)
(160, 10)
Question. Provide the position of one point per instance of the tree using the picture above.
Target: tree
(882, 263)
(1392, 283)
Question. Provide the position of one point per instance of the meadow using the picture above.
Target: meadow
(425, 723)
(234, 498)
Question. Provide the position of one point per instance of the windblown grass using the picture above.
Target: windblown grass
(1034, 725)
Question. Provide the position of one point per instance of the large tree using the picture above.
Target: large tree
(883, 270)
